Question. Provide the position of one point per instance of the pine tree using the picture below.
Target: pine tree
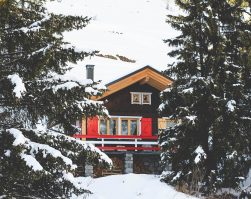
(209, 147)
(43, 164)
(35, 89)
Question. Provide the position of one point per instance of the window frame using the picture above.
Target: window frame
(129, 119)
(150, 98)
(107, 122)
(99, 125)
(141, 95)
(119, 124)
(163, 122)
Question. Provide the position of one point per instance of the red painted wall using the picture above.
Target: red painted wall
(146, 126)
(92, 126)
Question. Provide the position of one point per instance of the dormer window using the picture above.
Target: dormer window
(140, 98)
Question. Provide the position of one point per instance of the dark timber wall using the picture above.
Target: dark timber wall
(119, 103)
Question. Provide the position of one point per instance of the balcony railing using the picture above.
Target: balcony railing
(122, 142)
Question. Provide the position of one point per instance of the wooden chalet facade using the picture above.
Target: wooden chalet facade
(134, 122)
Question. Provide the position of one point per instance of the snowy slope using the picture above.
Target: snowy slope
(131, 186)
(132, 29)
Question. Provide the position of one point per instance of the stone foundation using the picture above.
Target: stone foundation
(88, 170)
(128, 162)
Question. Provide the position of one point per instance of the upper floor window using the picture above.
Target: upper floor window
(140, 98)
(136, 98)
(108, 126)
(146, 98)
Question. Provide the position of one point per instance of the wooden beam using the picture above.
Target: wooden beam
(154, 137)
(111, 148)
(83, 127)
(148, 76)
(144, 81)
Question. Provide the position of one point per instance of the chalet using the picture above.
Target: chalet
(129, 135)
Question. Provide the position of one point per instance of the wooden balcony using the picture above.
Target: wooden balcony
(114, 140)
(122, 142)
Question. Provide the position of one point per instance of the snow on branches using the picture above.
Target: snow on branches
(19, 87)
(47, 157)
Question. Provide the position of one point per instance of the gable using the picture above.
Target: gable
(120, 103)
(146, 75)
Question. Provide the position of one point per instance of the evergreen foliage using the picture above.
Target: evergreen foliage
(43, 164)
(209, 147)
(34, 88)
(33, 51)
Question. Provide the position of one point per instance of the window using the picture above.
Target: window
(103, 126)
(113, 126)
(146, 98)
(133, 127)
(124, 127)
(164, 123)
(116, 125)
(108, 126)
(136, 98)
(129, 126)
(140, 98)
(170, 123)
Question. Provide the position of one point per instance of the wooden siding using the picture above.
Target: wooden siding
(119, 104)
(161, 123)
(83, 127)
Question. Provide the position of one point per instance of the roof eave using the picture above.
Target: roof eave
(156, 80)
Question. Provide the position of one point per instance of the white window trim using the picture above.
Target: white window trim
(150, 98)
(125, 117)
(141, 97)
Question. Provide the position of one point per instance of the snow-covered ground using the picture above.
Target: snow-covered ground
(131, 186)
(132, 29)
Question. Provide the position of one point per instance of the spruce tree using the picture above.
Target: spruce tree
(209, 147)
(35, 89)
